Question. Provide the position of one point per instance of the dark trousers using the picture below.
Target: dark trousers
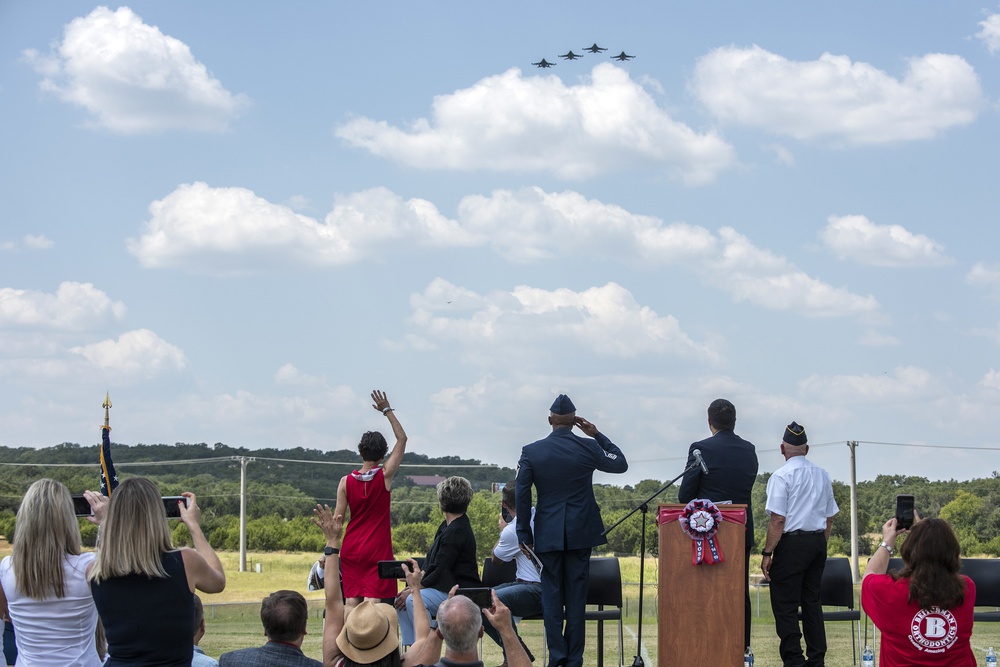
(565, 577)
(523, 599)
(796, 576)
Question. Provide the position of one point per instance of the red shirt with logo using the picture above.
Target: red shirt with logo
(913, 636)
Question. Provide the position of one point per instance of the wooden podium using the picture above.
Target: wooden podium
(701, 607)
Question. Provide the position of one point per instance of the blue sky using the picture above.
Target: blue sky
(239, 218)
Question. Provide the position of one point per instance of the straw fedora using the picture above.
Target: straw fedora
(370, 632)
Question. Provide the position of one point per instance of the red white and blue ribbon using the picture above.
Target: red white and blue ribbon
(700, 521)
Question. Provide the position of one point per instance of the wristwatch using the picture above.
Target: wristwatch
(888, 548)
(766, 554)
(329, 551)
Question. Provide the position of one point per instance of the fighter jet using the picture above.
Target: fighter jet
(543, 63)
(570, 56)
(622, 57)
(594, 48)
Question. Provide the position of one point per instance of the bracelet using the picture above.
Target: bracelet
(888, 548)
(387, 411)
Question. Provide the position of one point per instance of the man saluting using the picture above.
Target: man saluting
(568, 521)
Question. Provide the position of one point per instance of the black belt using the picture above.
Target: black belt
(525, 581)
(805, 532)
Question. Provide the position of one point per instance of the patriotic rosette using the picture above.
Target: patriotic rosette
(700, 521)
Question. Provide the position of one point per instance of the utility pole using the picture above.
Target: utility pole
(243, 512)
(855, 572)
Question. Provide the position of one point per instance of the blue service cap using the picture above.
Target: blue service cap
(562, 405)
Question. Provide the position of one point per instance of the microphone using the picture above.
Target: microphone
(696, 453)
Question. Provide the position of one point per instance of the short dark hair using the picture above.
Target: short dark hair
(391, 659)
(508, 493)
(722, 415)
(373, 446)
(284, 615)
(199, 613)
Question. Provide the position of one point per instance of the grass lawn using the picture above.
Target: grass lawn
(233, 616)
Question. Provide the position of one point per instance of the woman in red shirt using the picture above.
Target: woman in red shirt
(924, 611)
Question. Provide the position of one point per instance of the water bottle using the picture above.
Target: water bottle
(868, 657)
(991, 658)
(748, 658)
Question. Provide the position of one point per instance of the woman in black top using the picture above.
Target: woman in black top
(452, 557)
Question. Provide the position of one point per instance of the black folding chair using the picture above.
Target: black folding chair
(985, 573)
(605, 590)
(837, 590)
(499, 572)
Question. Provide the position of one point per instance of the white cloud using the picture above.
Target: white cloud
(139, 352)
(856, 238)
(990, 33)
(984, 275)
(905, 382)
(510, 122)
(289, 375)
(992, 333)
(759, 276)
(871, 338)
(73, 306)
(603, 320)
(132, 78)
(991, 379)
(835, 98)
(217, 230)
(39, 242)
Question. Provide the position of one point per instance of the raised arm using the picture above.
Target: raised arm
(203, 566)
(423, 650)
(332, 526)
(381, 403)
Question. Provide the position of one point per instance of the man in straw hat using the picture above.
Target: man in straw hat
(801, 508)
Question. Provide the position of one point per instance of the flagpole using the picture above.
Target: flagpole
(107, 406)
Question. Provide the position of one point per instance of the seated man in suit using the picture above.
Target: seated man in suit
(284, 615)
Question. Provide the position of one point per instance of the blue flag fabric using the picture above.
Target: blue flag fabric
(107, 466)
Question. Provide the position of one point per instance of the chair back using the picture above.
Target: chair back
(837, 587)
(605, 586)
(985, 573)
(496, 573)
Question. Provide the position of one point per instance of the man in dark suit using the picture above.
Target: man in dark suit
(568, 521)
(284, 615)
(732, 470)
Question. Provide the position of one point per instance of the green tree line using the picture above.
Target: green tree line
(282, 494)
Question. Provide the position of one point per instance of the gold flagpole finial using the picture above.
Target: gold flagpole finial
(107, 406)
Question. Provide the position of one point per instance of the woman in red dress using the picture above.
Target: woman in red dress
(365, 493)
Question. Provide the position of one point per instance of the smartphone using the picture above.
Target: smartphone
(82, 507)
(171, 506)
(392, 569)
(904, 512)
(483, 597)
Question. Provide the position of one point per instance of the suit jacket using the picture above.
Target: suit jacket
(732, 470)
(561, 468)
(271, 654)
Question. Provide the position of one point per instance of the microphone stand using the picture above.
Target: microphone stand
(637, 661)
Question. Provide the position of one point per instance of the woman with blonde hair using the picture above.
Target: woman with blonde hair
(143, 587)
(43, 583)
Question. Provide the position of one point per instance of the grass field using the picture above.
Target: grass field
(233, 616)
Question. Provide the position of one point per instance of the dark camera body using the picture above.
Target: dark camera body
(391, 569)
(171, 506)
(904, 512)
(483, 597)
(82, 507)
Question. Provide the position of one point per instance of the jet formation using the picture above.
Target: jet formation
(593, 48)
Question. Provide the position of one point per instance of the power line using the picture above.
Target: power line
(222, 459)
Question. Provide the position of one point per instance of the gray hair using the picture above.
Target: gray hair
(460, 621)
(454, 495)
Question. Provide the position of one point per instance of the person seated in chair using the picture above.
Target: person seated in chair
(523, 596)
(284, 615)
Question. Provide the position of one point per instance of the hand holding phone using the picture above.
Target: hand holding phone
(391, 569)
(483, 597)
(904, 512)
(171, 505)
